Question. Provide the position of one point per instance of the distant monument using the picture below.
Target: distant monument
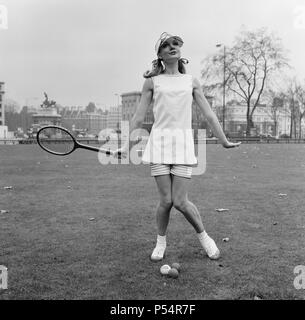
(46, 103)
(47, 115)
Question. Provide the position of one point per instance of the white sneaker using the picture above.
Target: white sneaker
(158, 253)
(210, 248)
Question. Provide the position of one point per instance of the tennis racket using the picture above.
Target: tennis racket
(61, 142)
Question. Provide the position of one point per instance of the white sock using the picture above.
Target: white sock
(208, 245)
(161, 240)
(159, 250)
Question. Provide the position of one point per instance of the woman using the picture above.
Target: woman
(173, 91)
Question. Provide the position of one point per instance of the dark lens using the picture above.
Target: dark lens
(163, 45)
(56, 141)
(179, 41)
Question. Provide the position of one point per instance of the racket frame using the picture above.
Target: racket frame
(77, 145)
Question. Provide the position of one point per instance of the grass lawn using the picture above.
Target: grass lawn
(54, 249)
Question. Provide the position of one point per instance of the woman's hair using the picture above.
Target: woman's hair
(158, 68)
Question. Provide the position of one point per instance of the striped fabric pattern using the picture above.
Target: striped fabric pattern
(175, 169)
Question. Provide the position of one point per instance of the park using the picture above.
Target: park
(76, 229)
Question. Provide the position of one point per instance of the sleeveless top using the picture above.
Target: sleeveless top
(171, 137)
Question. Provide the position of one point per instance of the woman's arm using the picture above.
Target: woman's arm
(210, 115)
(139, 116)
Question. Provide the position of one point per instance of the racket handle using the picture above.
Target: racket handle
(108, 153)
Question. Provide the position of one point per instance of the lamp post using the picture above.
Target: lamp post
(118, 117)
(118, 96)
(224, 85)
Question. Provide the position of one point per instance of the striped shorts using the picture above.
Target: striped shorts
(179, 170)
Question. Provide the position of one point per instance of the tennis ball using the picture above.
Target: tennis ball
(176, 266)
(165, 269)
(173, 273)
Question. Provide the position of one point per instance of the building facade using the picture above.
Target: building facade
(2, 111)
(46, 116)
(26, 118)
(114, 118)
(130, 102)
(77, 119)
(4, 133)
(263, 120)
(96, 122)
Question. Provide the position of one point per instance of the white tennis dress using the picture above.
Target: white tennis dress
(171, 137)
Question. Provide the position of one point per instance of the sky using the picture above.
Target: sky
(80, 51)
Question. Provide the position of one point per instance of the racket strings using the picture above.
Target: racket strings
(56, 140)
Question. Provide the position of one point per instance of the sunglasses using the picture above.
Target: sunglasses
(174, 42)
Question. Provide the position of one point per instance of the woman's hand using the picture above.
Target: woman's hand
(119, 153)
(229, 144)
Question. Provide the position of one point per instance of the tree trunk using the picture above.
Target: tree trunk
(291, 125)
(249, 120)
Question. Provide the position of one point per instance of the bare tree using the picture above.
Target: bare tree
(294, 98)
(300, 95)
(275, 104)
(198, 119)
(292, 107)
(255, 58)
(11, 105)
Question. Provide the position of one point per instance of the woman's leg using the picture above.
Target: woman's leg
(191, 213)
(182, 203)
(164, 184)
